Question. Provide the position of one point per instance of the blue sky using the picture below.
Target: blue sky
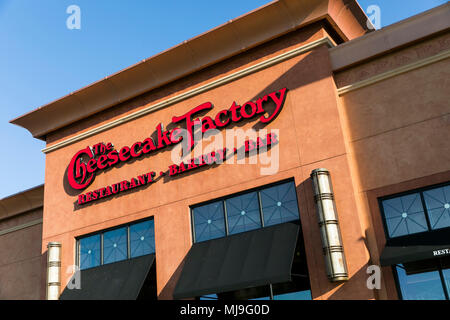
(42, 60)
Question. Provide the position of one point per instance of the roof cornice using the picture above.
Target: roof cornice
(22, 202)
(236, 36)
(392, 37)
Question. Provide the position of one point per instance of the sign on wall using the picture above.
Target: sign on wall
(88, 162)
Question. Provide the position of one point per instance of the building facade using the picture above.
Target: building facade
(316, 146)
(22, 264)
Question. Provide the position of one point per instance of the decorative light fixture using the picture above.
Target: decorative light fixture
(53, 270)
(329, 226)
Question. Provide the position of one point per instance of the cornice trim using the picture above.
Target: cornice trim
(20, 227)
(188, 94)
(395, 72)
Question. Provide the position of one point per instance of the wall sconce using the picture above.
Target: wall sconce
(329, 226)
(53, 270)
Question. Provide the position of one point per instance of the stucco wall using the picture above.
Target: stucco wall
(21, 262)
(397, 131)
(310, 137)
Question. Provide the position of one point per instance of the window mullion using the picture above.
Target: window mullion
(225, 214)
(444, 285)
(101, 249)
(261, 214)
(77, 255)
(128, 243)
(193, 226)
(427, 218)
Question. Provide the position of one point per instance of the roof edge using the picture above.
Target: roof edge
(22, 202)
(243, 33)
(394, 36)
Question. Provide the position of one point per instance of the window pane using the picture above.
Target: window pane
(243, 213)
(404, 215)
(212, 296)
(252, 293)
(89, 252)
(422, 266)
(115, 245)
(262, 298)
(209, 221)
(142, 238)
(299, 295)
(279, 204)
(420, 286)
(438, 206)
(446, 273)
(296, 289)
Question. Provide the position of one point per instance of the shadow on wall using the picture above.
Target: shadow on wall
(167, 292)
(43, 289)
(355, 287)
(306, 71)
(198, 77)
(302, 73)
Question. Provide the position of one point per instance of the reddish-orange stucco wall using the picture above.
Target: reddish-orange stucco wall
(310, 137)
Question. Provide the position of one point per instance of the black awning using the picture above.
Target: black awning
(115, 281)
(404, 254)
(244, 260)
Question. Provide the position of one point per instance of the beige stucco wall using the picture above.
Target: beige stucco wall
(22, 269)
(397, 131)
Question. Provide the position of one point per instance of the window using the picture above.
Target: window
(115, 245)
(247, 211)
(269, 292)
(250, 210)
(243, 213)
(415, 212)
(437, 203)
(299, 295)
(419, 217)
(279, 204)
(209, 222)
(298, 289)
(125, 242)
(404, 215)
(424, 280)
(89, 252)
(142, 238)
(446, 275)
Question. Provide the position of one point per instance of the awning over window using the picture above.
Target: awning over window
(403, 254)
(239, 261)
(116, 281)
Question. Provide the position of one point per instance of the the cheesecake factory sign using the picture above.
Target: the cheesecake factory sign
(87, 162)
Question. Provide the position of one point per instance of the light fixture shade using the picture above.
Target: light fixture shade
(329, 226)
(53, 270)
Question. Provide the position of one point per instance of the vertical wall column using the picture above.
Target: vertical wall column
(53, 270)
(329, 226)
